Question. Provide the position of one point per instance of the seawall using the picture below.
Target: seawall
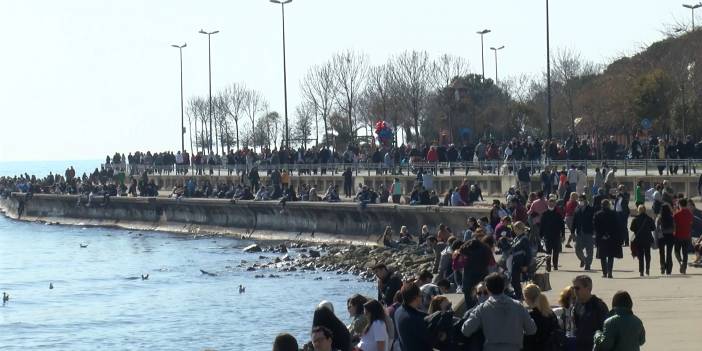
(261, 220)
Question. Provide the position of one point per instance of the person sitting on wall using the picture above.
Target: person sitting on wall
(262, 194)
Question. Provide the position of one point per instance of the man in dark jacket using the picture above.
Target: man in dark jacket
(582, 224)
(409, 321)
(389, 284)
(621, 207)
(589, 314)
(608, 238)
(552, 231)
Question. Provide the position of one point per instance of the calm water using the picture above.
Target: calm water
(95, 305)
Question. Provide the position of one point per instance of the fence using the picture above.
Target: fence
(643, 167)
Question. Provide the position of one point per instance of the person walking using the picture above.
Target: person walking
(589, 313)
(584, 230)
(683, 233)
(642, 226)
(503, 321)
(547, 328)
(608, 238)
(552, 232)
(520, 258)
(621, 207)
(570, 208)
(622, 330)
(665, 228)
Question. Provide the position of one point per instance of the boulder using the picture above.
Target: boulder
(314, 253)
(252, 248)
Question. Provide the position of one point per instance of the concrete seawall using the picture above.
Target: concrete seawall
(267, 220)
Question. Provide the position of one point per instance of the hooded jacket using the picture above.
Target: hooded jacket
(504, 323)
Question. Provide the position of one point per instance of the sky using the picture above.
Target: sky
(80, 79)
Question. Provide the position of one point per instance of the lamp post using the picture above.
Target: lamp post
(209, 60)
(182, 121)
(285, 73)
(693, 8)
(496, 50)
(482, 49)
(548, 73)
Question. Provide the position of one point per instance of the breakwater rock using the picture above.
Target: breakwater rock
(352, 260)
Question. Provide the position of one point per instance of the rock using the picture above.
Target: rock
(318, 278)
(314, 253)
(277, 260)
(287, 258)
(250, 269)
(253, 248)
(283, 248)
(262, 257)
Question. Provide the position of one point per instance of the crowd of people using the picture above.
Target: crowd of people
(389, 159)
(492, 263)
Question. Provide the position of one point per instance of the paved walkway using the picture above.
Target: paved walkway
(668, 305)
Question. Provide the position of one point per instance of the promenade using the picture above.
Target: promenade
(668, 305)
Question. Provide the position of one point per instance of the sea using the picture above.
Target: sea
(80, 288)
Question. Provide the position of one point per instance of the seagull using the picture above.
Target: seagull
(51, 286)
(242, 289)
(5, 298)
(145, 277)
(83, 246)
(208, 273)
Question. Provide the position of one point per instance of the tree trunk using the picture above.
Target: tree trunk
(236, 125)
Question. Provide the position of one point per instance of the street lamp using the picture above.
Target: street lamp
(285, 73)
(182, 125)
(548, 73)
(482, 49)
(693, 8)
(209, 61)
(496, 50)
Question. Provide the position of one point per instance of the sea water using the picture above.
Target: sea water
(100, 302)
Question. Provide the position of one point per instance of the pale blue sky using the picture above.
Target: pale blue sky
(83, 78)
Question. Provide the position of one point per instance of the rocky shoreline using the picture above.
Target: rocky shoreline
(343, 259)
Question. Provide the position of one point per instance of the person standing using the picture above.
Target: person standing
(683, 233)
(639, 196)
(409, 321)
(621, 206)
(622, 330)
(589, 313)
(375, 336)
(324, 317)
(546, 321)
(608, 239)
(388, 283)
(348, 182)
(503, 321)
(396, 191)
(643, 226)
(584, 230)
(553, 232)
(665, 228)
(477, 259)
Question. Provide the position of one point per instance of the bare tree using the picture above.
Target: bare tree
(302, 129)
(411, 73)
(233, 101)
(381, 95)
(445, 68)
(198, 111)
(350, 69)
(253, 106)
(318, 91)
(568, 67)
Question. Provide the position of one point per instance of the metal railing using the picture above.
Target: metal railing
(642, 167)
